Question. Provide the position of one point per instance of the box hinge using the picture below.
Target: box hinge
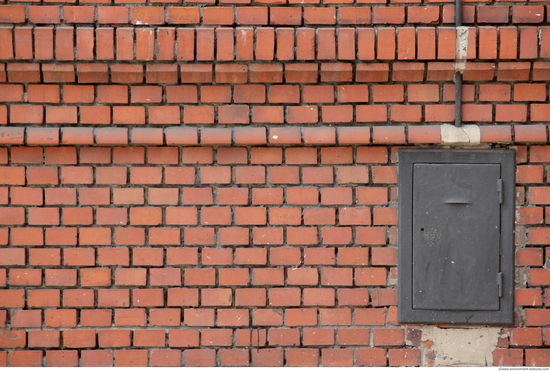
(499, 283)
(499, 190)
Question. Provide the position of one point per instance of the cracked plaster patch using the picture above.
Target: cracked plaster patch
(467, 134)
(462, 34)
(459, 347)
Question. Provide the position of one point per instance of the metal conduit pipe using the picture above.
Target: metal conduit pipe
(458, 74)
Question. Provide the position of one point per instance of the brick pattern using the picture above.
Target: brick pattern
(312, 103)
(223, 44)
(262, 73)
(109, 251)
(99, 242)
(269, 12)
(518, 345)
(207, 183)
(247, 136)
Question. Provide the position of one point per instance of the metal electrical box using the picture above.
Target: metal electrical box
(456, 236)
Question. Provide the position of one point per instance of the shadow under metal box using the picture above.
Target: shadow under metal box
(456, 236)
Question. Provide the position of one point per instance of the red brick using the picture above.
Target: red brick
(537, 357)
(353, 15)
(29, 114)
(508, 357)
(181, 15)
(114, 338)
(60, 277)
(183, 297)
(249, 256)
(197, 236)
(318, 337)
(352, 255)
(268, 115)
(95, 115)
(388, 337)
(526, 337)
(353, 174)
(79, 256)
(404, 357)
(268, 236)
(384, 256)
(95, 277)
(26, 358)
(165, 317)
(27, 236)
(264, 73)
(250, 297)
(41, 256)
(149, 338)
(218, 16)
(318, 175)
(193, 277)
(302, 276)
(110, 15)
(24, 318)
(370, 316)
(147, 297)
(319, 256)
(370, 276)
(337, 357)
(299, 357)
(383, 297)
(281, 94)
(527, 14)
(131, 358)
(147, 16)
(199, 317)
(62, 358)
(336, 236)
(319, 16)
(319, 297)
(372, 72)
(285, 16)
(365, 51)
(336, 196)
(528, 297)
(12, 216)
(13, 14)
(353, 297)
(184, 338)
(530, 133)
(529, 256)
(513, 71)
(97, 358)
(302, 115)
(79, 298)
(65, 236)
(371, 357)
(44, 339)
(79, 338)
(389, 135)
(268, 276)
(165, 357)
(268, 358)
(346, 51)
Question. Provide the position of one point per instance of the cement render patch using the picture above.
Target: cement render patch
(459, 346)
(467, 134)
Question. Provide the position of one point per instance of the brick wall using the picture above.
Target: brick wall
(207, 183)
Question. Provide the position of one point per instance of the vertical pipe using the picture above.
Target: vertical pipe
(458, 99)
(458, 75)
(458, 13)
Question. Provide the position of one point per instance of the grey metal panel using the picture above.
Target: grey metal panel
(456, 228)
(406, 312)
